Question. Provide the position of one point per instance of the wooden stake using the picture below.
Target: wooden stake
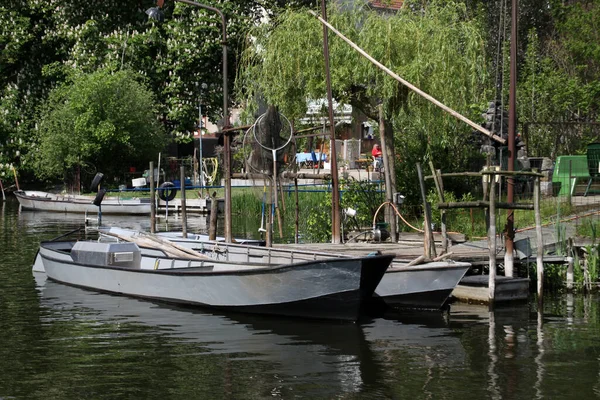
(429, 243)
(570, 275)
(152, 200)
(540, 241)
(214, 210)
(297, 224)
(183, 205)
(492, 240)
(2, 187)
(16, 180)
(440, 191)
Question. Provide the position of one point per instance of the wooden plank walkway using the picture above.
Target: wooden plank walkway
(410, 246)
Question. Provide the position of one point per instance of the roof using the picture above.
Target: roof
(387, 4)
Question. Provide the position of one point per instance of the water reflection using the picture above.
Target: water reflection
(331, 353)
(60, 342)
(329, 357)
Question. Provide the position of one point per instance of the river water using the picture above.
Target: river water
(59, 342)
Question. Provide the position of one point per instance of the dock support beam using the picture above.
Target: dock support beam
(540, 241)
(492, 241)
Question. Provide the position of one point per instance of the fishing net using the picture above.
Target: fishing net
(269, 151)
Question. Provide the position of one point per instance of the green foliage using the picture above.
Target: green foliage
(470, 223)
(364, 197)
(104, 119)
(440, 50)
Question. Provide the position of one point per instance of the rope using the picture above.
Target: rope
(397, 212)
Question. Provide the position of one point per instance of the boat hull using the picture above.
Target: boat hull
(425, 286)
(329, 289)
(42, 201)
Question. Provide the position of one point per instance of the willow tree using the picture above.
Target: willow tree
(437, 47)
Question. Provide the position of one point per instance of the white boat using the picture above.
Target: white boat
(425, 286)
(332, 288)
(44, 201)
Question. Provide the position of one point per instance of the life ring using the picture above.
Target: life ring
(99, 197)
(167, 191)
(96, 181)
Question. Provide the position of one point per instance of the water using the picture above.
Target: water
(59, 342)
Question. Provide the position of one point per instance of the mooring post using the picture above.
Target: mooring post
(183, 205)
(492, 239)
(214, 210)
(540, 240)
(439, 186)
(152, 200)
(297, 224)
(570, 276)
(269, 234)
(429, 243)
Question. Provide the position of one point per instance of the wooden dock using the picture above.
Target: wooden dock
(197, 206)
(473, 288)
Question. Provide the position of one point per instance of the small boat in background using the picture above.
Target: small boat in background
(44, 201)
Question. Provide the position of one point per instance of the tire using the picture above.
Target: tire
(167, 191)
(99, 197)
(96, 181)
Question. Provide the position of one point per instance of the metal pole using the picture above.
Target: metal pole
(335, 193)
(512, 125)
(152, 200)
(200, 162)
(226, 137)
(183, 205)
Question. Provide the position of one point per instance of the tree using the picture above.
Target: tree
(103, 119)
(559, 88)
(437, 47)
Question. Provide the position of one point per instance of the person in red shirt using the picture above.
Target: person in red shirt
(376, 152)
(377, 157)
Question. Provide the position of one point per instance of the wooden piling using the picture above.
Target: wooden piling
(492, 240)
(269, 233)
(2, 188)
(214, 210)
(540, 241)
(183, 205)
(570, 275)
(439, 186)
(16, 180)
(428, 241)
(152, 200)
(297, 223)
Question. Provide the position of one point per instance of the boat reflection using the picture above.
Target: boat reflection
(342, 357)
(294, 347)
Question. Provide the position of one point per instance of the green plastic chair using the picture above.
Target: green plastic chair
(593, 162)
